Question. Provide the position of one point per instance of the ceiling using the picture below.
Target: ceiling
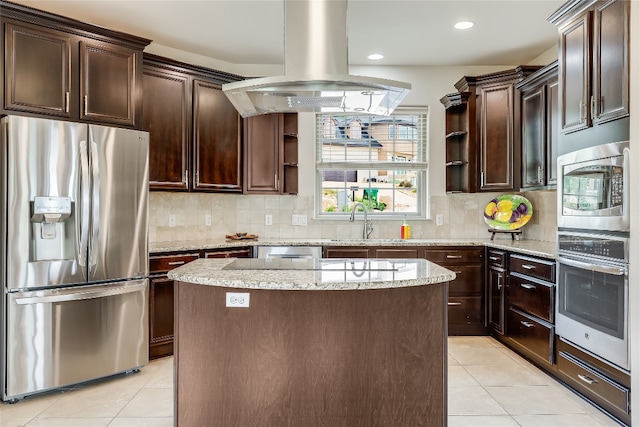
(407, 32)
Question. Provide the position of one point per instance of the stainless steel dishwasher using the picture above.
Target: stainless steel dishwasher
(301, 252)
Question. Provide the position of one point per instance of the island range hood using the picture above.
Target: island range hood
(316, 70)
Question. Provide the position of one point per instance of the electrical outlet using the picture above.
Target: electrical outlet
(268, 220)
(237, 299)
(207, 220)
(172, 220)
(294, 220)
(439, 220)
(299, 220)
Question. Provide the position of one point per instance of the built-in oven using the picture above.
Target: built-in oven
(593, 188)
(592, 305)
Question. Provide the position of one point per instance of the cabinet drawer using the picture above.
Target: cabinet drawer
(456, 256)
(497, 258)
(468, 280)
(397, 253)
(465, 310)
(531, 296)
(531, 334)
(158, 264)
(592, 383)
(229, 253)
(541, 269)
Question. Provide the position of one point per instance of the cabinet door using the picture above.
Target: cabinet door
(229, 253)
(397, 253)
(496, 137)
(533, 137)
(216, 140)
(496, 286)
(160, 316)
(610, 98)
(263, 153)
(345, 252)
(165, 116)
(37, 71)
(108, 83)
(553, 131)
(574, 69)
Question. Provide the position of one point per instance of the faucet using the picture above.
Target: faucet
(368, 227)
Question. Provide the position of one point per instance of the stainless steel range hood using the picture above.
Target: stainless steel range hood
(316, 70)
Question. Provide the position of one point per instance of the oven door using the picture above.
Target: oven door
(592, 307)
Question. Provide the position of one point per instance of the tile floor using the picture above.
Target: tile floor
(489, 385)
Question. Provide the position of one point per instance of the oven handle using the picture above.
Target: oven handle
(616, 271)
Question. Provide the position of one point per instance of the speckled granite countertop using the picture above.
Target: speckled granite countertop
(527, 247)
(324, 274)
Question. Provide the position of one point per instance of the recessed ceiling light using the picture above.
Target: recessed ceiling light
(464, 25)
(375, 56)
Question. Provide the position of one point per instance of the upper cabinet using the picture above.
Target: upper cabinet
(195, 132)
(61, 68)
(593, 71)
(538, 132)
(460, 142)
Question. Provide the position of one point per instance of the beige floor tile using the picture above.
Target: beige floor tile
(506, 375)
(29, 407)
(13, 422)
(451, 361)
(150, 403)
(162, 378)
(142, 422)
(472, 401)
(480, 356)
(573, 420)
(459, 377)
(96, 400)
(70, 422)
(475, 342)
(482, 420)
(535, 400)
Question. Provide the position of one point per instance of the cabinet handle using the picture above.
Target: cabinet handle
(499, 285)
(587, 379)
(457, 271)
(528, 267)
(66, 102)
(175, 263)
(454, 303)
(86, 104)
(540, 174)
(583, 112)
(454, 256)
(197, 178)
(527, 286)
(494, 258)
(482, 178)
(594, 112)
(186, 176)
(527, 324)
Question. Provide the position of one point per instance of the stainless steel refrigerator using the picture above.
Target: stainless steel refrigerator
(74, 253)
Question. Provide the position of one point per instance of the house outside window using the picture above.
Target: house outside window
(378, 161)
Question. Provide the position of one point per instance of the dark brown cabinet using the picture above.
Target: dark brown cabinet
(62, 68)
(496, 289)
(593, 69)
(271, 154)
(538, 132)
(161, 300)
(460, 142)
(346, 252)
(195, 132)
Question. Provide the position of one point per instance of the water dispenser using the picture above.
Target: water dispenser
(52, 232)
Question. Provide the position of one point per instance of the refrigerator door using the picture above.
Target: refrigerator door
(69, 335)
(43, 207)
(118, 245)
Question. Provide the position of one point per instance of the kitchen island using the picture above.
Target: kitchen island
(328, 342)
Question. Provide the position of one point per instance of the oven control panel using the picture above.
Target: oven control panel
(611, 247)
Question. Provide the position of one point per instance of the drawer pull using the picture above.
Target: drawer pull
(454, 256)
(494, 258)
(527, 286)
(587, 379)
(457, 271)
(176, 263)
(454, 303)
(527, 324)
(528, 266)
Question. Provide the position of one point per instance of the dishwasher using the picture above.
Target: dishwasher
(289, 252)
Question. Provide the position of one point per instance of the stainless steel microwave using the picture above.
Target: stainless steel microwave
(593, 188)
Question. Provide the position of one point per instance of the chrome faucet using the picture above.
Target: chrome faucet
(368, 227)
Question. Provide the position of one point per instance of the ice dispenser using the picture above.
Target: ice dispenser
(52, 238)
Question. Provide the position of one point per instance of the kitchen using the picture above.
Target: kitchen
(251, 210)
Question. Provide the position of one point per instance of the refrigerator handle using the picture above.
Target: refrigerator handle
(79, 295)
(84, 199)
(95, 198)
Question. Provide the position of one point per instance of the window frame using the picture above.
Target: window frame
(421, 168)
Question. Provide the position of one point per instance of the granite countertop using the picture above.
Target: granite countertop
(527, 247)
(323, 274)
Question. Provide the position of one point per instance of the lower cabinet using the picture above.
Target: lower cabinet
(531, 334)
(161, 289)
(496, 289)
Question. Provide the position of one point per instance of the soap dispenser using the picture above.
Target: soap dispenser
(405, 230)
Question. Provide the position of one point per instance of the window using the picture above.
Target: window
(378, 161)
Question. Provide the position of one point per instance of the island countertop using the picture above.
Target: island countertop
(318, 274)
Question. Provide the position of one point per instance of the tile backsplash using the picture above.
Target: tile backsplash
(230, 213)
